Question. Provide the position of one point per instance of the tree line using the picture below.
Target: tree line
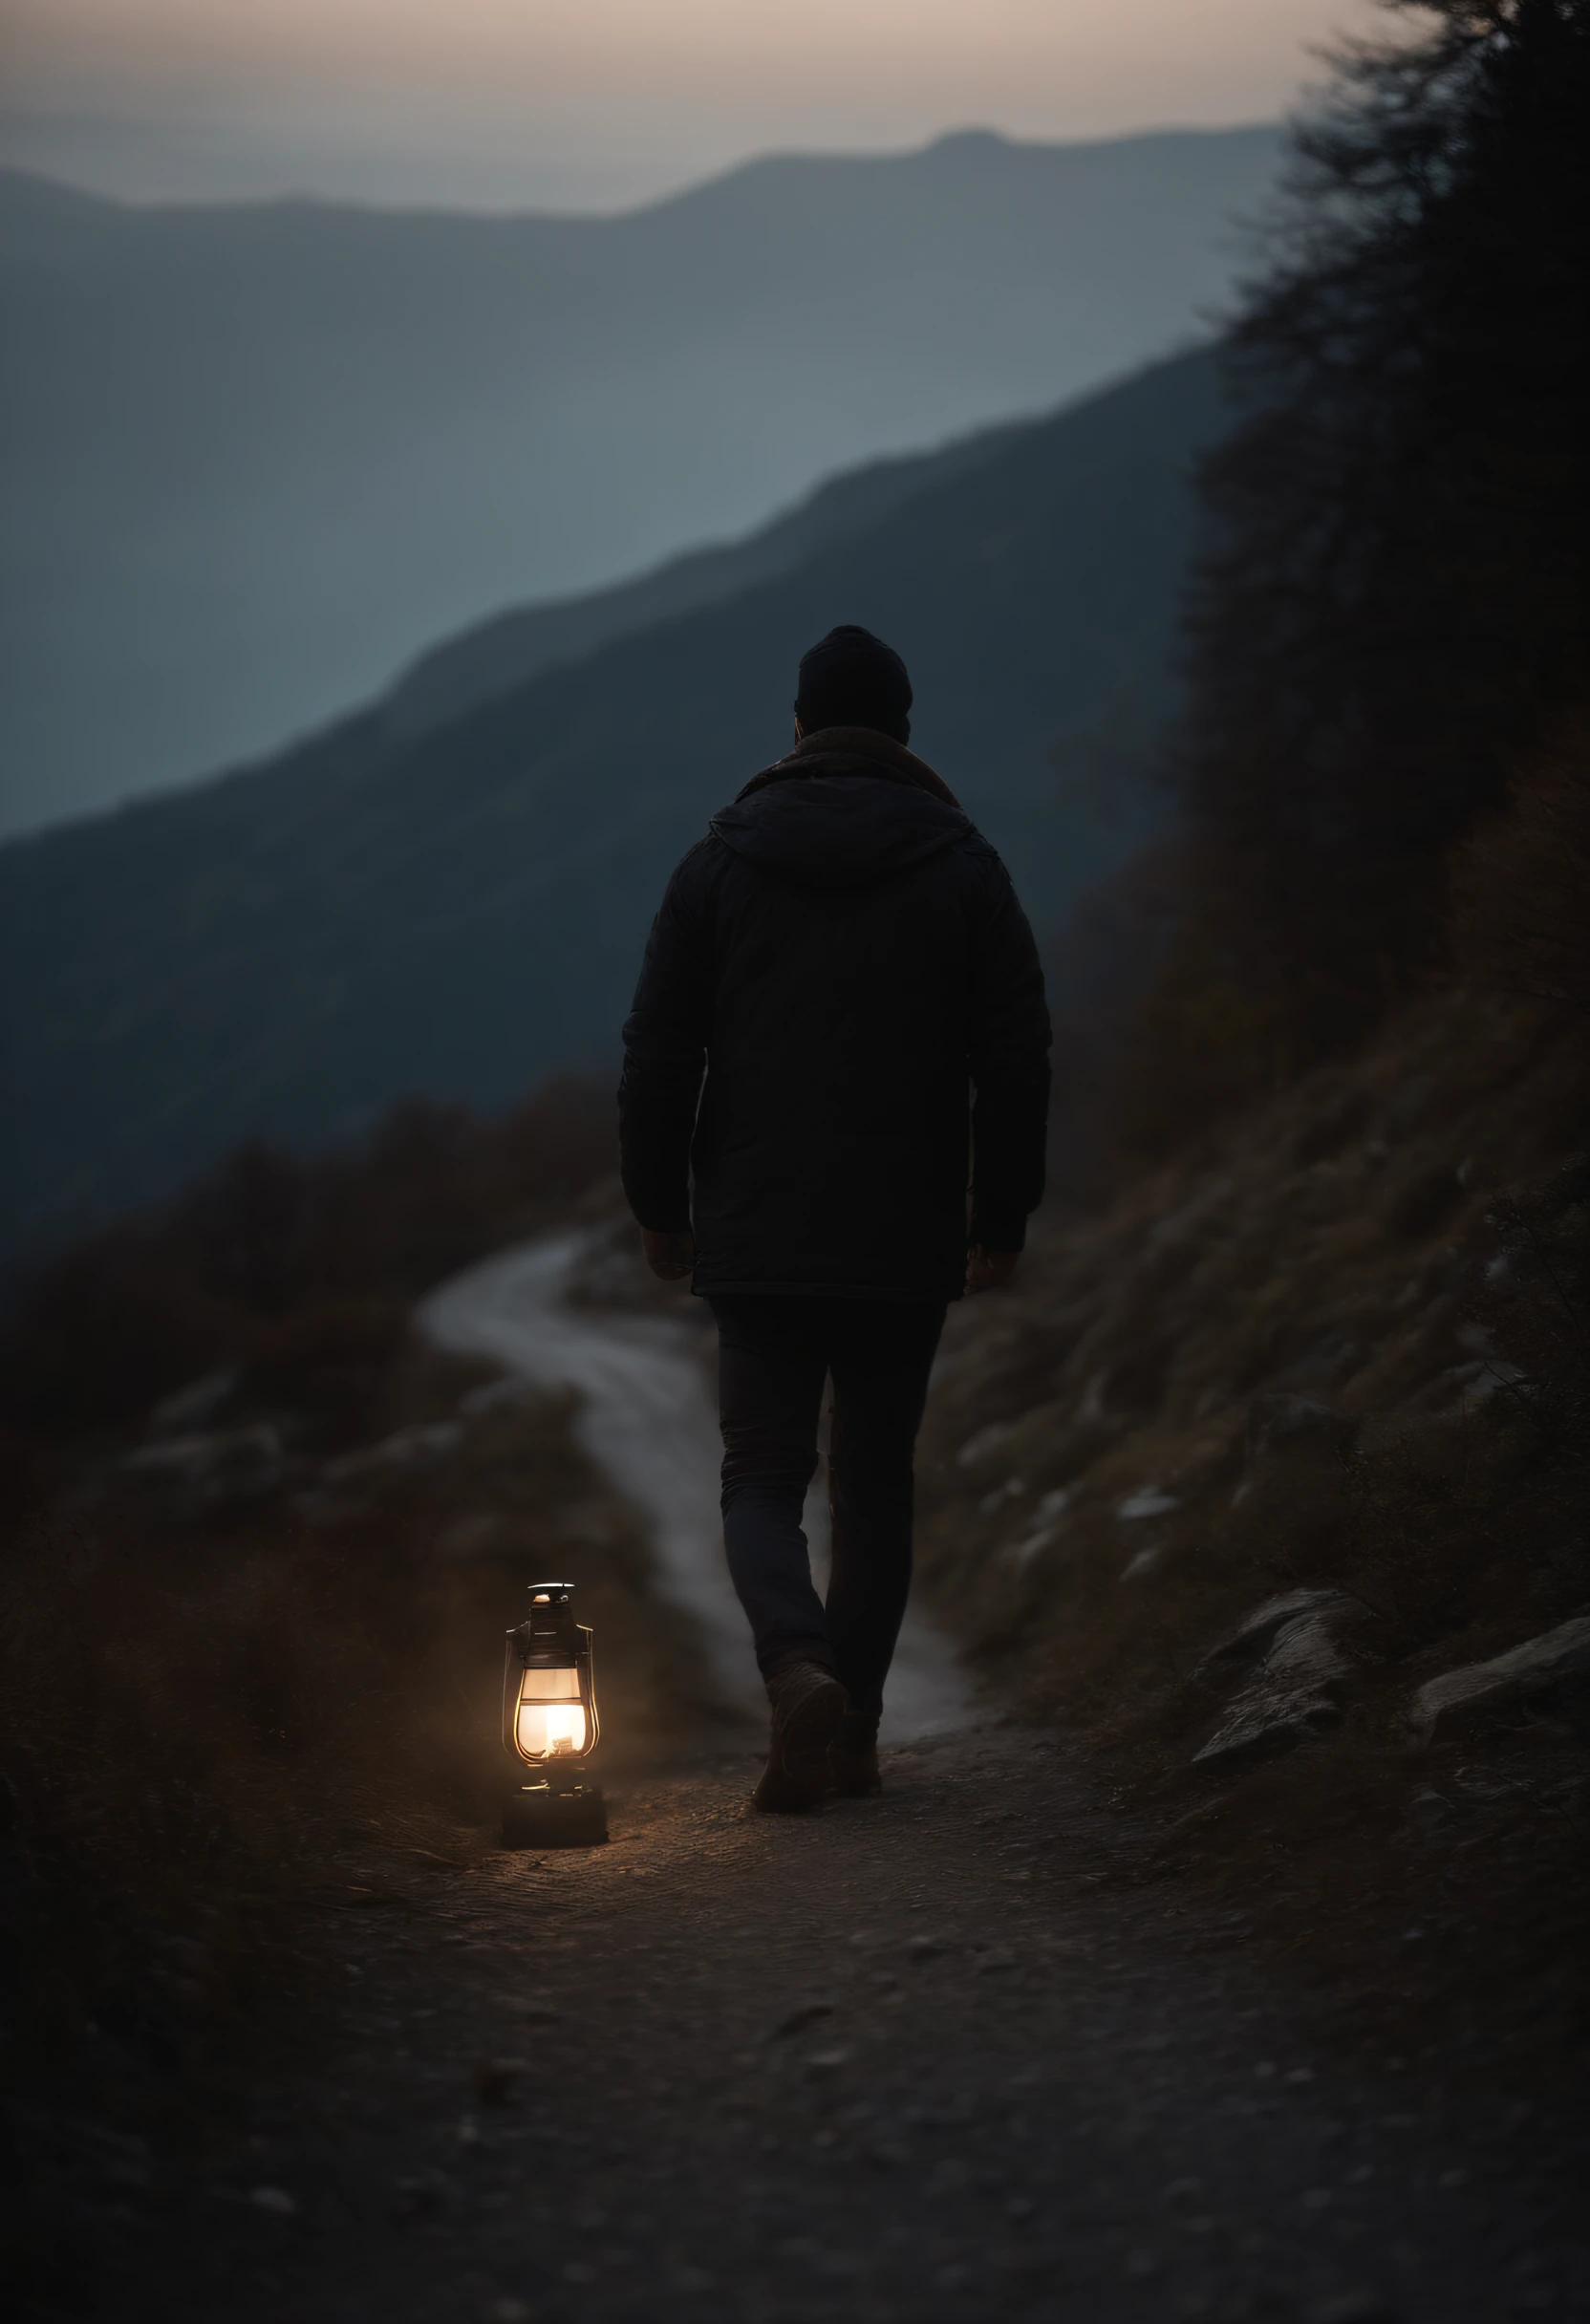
(1387, 627)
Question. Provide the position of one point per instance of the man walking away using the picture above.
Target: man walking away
(840, 1024)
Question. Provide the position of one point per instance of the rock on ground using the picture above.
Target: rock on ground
(1294, 1676)
(1554, 1665)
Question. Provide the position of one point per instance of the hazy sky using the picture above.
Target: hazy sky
(579, 103)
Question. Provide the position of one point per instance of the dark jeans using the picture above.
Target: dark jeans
(775, 1354)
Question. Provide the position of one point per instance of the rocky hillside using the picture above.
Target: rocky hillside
(1274, 1484)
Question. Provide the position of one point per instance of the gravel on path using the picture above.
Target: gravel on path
(933, 2055)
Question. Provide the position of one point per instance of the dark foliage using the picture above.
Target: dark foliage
(1394, 610)
(1099, 971)
(1520, 885)
(297, 1271)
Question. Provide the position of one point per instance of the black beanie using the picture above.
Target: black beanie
(851, 679)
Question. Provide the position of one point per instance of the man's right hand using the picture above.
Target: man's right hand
(670, 1257)
(989, 1270)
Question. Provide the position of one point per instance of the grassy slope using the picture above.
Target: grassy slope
(1354, 1243)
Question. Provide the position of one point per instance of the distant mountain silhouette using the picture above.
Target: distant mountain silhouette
(493, 656)
(455, 909)
(253, 457)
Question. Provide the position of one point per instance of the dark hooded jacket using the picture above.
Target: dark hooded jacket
(844, 961)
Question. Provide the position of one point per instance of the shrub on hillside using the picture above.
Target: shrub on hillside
(1521, 884)
(273, 1258)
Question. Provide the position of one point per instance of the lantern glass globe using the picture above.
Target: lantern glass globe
(551, 1722)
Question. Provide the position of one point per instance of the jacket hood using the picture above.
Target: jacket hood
(847, 808)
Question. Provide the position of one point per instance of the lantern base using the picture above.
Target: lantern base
(538, 1817)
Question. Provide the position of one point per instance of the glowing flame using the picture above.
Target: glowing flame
(551, 1722)
(551, 1730)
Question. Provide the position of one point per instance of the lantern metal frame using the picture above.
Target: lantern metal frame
(557, 1807)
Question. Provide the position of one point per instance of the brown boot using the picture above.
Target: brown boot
(855, 1756)
(810, 1706)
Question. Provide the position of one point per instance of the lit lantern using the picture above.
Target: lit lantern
(550, 1726)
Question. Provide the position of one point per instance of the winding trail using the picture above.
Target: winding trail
(953, 2056)
(646, 1418)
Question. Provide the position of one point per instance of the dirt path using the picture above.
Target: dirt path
(645, 1417)
(938, 2055)
(918, 2058)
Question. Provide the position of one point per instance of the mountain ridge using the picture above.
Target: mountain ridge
(255, 459)
(493, 656)
(289, 948)
(949, 145)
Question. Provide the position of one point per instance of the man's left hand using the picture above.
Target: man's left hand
(989, 1270)
(671, 1256)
